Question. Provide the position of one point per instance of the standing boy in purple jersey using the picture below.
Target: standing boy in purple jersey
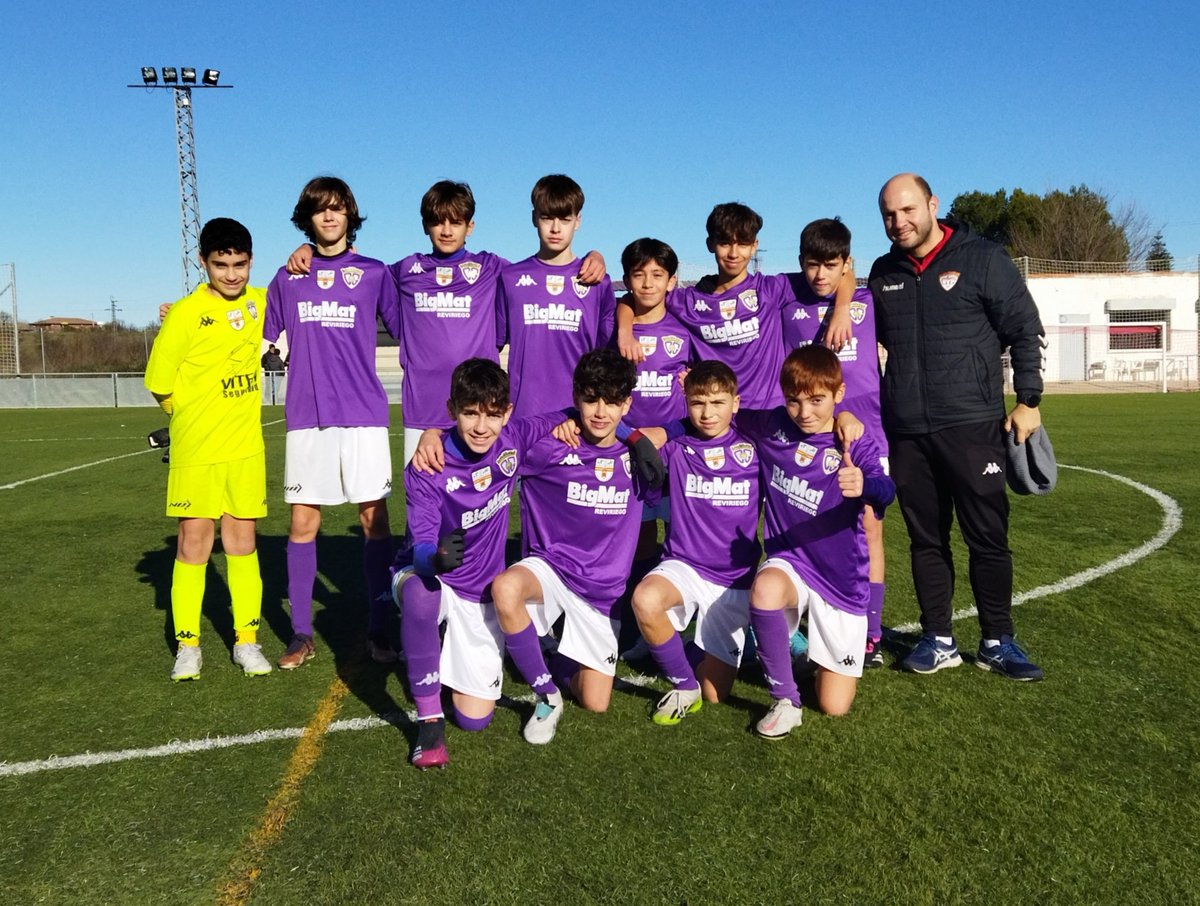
(734, 316)
(447, 305)
(815, 490)
(582, 510)
(336, 409)
(649, 267)
(457, 528)
(546, 314)
(710, 551)
(824, 260)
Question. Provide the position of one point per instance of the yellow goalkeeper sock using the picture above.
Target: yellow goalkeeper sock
(245, 591)
(187, 594)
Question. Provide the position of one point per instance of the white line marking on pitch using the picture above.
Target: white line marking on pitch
(1172, 521)
(88, 465)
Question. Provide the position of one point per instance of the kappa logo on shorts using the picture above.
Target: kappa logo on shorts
(991, 469)
(236, 320)
(948, 280)
(858, 311)
(444, 276)
(351, 276)
(648, 344)
(470, 270)
(580, 289)
(496, 683)
(206, 321)
(714, 457)
(325, 279)
(749, 299)
(742, 453)
(728, 308)
(453, 483)
(848, 660)
(604, 468)
(805, 453)
(416, 268)
(611, 659)
(506, 462)
(555, 284)
(831, 461)
(526, 280)
(672, 345)
(482, 478)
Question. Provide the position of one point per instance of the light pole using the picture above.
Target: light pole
(180, 81)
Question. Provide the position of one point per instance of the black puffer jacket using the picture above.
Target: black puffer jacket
(945, 328)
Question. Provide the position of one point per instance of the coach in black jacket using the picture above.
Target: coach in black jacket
(947, 304)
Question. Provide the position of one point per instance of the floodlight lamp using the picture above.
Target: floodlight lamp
(212, 76)
(149, 76)
(170, 75)
(188, 74)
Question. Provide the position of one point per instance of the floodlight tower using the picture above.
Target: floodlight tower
(180, 81)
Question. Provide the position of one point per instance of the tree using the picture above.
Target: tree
(1076, 225)
(1158, 258)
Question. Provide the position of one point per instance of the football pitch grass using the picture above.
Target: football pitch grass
(961, 787)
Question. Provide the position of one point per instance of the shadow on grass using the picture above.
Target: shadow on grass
(339, 608)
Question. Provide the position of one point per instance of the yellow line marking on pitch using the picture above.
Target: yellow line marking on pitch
(247, 864)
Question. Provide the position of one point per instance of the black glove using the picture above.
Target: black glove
(450, 551)
(159, 438)
(649, 463)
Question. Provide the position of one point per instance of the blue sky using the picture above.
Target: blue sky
(800, 110)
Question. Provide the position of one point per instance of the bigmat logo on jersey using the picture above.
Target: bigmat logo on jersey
(797, 491)
(328, 312)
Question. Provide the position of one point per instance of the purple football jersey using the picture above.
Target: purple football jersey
(715, 501)
(658, 397)
(447, 315)
(581, 513)
(329, 315)
(740, 327)
(549, 319)
(471, 493)
(808, 522)
(805, 321)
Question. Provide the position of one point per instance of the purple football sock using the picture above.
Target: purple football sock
(775, 653)
(302, 573)
(673, 662)
(421, 600)
(563, 669)
(472, 724)
(695, 655)
(429, 706)
(875, 612)
(526, 652)
(377, 557)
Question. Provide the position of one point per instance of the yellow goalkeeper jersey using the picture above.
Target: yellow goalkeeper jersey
(207, 359)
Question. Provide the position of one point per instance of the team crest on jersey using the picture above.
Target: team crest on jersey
(236, 321)
(625, 463)
(948, 280)
(743, 454)
(324, 279)
(470, 271)
(831, 461)
(351, 276)
(253, 309)
(482, 478)
(805, 453)
(507, 462)
(604, 468)
(714, 457)
(728, 308)
(749, 299)
(858, 311)
(672, 345)
(580, 290)
(648, 344)
(555, 284)
(444, 276)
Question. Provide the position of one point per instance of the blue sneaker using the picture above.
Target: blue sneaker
(1009, 660)
(930, 656)
(799, 644)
